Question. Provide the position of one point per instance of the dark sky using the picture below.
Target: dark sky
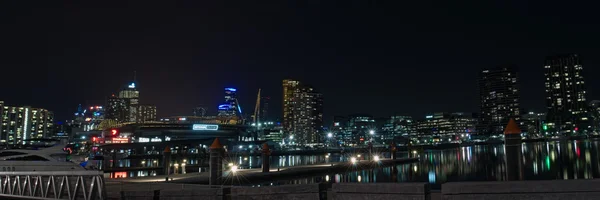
(378, 57)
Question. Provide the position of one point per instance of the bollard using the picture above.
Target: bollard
(216, 162)
(167, 160)
(393, 151)
(512, 143)
(266, 153)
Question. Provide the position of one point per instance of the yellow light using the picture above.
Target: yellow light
(234, 168)
(230, 164)
(414, 151)
(376, 158)
(359, 155)
(246, 158)
(353, 160)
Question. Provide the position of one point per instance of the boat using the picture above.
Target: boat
(52, 158)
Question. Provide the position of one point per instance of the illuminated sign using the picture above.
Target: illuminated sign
(142, 140)
(224, 107)
(429, 116)
(120, 140)
(155, 140)
(204, 127)
(182, 119)
(132, 85)
(336, 124)
(231, 89)
(113, 132)
(88, 119)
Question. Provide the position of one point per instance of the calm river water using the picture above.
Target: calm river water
(538, 161)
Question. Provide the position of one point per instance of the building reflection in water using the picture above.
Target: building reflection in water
(537, 161)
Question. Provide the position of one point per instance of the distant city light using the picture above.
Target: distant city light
(132, 85)
(376, 158)
(231, 89)
(234, 168)
(371, 132)
(329, 135)
(353, 160)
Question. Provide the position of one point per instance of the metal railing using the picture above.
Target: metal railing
(86, 185)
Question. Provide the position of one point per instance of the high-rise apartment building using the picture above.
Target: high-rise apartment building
(565, 94)
(307, 115)
(499, 96)
(289, 87)
(23, 123)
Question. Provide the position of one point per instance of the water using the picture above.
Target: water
(538, 161)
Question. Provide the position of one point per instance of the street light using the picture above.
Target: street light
(329, 135)
(291, 137)
(372, 132)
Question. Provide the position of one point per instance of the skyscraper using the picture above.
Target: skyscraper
(499, 97)
(146, 113)
(307, 115)
(21, 123)
(289, 86)
(230, 107)
(131, 97)
(565, 94)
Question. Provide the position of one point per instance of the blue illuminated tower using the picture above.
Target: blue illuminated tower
(230, 107)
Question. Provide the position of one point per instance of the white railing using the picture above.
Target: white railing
(86, 185)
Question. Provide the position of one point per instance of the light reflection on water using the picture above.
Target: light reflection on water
(538, 161)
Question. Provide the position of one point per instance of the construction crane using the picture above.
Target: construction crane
(256, 109)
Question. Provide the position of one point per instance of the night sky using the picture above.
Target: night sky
(377, 57)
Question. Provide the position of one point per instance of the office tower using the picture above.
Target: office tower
(565, 94)
(20, 123)
(131, 97)
(360, 127)
(230, 107)
(499, 96)
(307, 115)
(289, 86)
(147, 113)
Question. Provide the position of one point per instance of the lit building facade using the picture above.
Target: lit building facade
(565, 95)
(146, 113)
(400, 125)
(131, 97)
(499, 96)
(264, 114)
(23, 123)
(594, 109)
(230, 107)
(117, 109)
(307, 113)
(533, 124)
(289, 88)
(449, 125)
(88, 118)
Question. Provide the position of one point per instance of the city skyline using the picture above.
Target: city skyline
(419, 67)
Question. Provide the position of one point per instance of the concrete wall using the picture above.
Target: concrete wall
(139, 191)
(381, 191)
(554, 189)
(286, 192)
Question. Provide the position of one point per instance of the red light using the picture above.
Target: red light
(94, 139)
(576, 129)
(114, 132)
